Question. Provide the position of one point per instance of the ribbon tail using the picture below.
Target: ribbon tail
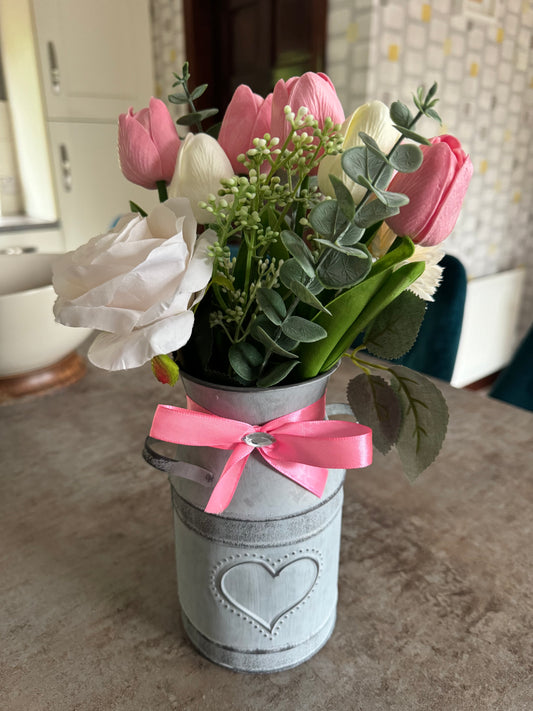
(222, 494)
(311, 478)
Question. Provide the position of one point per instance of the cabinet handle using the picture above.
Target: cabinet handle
(64, 163)
(54, 68)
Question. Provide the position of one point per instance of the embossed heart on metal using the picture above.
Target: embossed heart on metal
(266, 592)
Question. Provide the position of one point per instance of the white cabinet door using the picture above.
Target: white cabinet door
(95, 57)
(91, 188)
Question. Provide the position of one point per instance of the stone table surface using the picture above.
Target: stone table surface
(435, 579)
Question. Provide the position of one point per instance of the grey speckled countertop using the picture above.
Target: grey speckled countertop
(435, 606)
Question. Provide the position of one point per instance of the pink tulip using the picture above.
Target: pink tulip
(314, 91)
(436, 192)
(247, 117)
(148, 145)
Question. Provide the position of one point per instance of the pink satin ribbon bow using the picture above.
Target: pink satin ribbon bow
(300, 445)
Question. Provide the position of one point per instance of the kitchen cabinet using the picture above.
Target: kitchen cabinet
(72, 67)
(91, 189)
(95, 57)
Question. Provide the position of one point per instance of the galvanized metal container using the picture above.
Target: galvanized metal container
(257, 584)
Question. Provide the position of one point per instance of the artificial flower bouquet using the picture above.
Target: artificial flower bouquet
(293, 239)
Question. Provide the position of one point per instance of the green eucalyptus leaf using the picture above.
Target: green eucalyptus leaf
(425, 420)
(306, 295)
(271, 304)
(374, 211)
(262, 336)
(389, 199)
(291, 271)
(198, 91)
(354, 162)
(433, 114)
(300, 329)
(412, 135)
(245, 360)
(376, 404)
(300, 251)
(287, 344)
(432, 91)
(372, 146)
(278, 373)
(395, 329)
(359, 251)
(351, 234)
(323, 218)
(178, 99)
(344, 197)
(337, 270)
(407, 158)
(196, 117)
(400, 114)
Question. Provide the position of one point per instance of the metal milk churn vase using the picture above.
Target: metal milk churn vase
(257, 583)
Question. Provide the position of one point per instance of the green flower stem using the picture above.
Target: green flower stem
(162, 190)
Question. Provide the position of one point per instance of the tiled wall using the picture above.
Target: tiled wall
(384, 49)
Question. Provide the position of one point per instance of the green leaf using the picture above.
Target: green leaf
(245, 360)
(178, 99)
(407, 158)
(300, 329)
(433, 114)
(360, 251)
(197, 93)
(344, 310)
(291, 271)
(400, 114)
(412, 135)
(306, 295)
(396, 282)
(425, 420)
(300, 251)
(344, 197)
(396, 328)
(278, 373)
(271, 304)
(374, 211)
(372, 146)
(403, 251)
(337, 270)
(350, 235)
(432, 91)
(323, 218)
(376, 404)
(165, 369)
(135, 208)
(196, 117)
(262, 336)
(223, 280)
(389, 199)
(354, 162)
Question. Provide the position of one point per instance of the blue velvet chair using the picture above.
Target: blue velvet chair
(515, 383)
(435, 349)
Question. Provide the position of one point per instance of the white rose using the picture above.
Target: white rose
(138, 284)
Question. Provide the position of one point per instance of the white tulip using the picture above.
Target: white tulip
(200, 166)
